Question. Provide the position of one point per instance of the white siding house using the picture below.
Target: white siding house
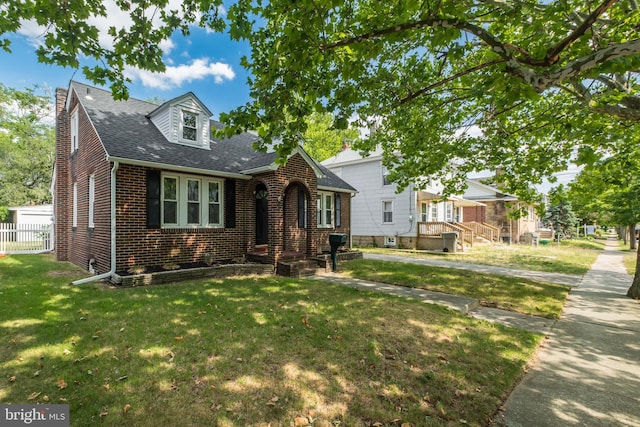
(379, 215)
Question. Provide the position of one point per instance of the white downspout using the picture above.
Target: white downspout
(114, 169)
(351, 221)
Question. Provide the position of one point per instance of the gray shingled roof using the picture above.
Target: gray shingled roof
(127, 133)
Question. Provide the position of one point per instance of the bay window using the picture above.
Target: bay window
(191, 202)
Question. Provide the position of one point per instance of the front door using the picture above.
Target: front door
(262, 215)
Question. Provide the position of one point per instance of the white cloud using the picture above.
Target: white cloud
(175, 76)
(167, 46)
(114, 17)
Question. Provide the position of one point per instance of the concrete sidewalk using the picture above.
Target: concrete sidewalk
(588, 371)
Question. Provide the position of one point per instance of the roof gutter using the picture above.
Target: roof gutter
(110, 273)
(182, 169)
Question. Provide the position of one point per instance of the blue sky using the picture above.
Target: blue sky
(207, 64)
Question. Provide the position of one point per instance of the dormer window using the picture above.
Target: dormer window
(189, 126)
(184, 120)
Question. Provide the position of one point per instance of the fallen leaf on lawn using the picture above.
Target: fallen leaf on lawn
(62, 399)
(106, 387)
(36, 374)
(301, 421)
(377, 424)
(12, 379)
(66, 351)
(273, 401)
(179, 338)
(34, 395)
(405, 425)
(45, 398)
(126, 409)
(62, 384)
(103, 414)
(121, 378)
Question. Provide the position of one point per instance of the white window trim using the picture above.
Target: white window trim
(433, 208)
(384, 202)
(424, 212)
(448, 211)
(74, 130)
(181, 139)
(74, 221)
(92, 199)
(182, 202)
(321, 199)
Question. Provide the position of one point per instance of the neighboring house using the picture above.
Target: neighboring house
(137, 184)
(382, 217)
(41, 214)
(495, 211)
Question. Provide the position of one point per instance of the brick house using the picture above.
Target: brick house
(137, 184)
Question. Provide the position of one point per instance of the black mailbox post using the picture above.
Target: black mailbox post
(336, 240)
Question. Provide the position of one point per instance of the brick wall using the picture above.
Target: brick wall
(474, 213)
(78, 244)
(140, 246)
(61, 213)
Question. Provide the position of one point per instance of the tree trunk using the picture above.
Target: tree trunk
(632, 237)
(622, 234)
(634, 290)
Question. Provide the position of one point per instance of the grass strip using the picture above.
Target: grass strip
(571, 257)
(508, 293)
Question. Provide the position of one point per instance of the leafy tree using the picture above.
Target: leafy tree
(613, 185)
(536, 77)
(321, 141)
(26, 147)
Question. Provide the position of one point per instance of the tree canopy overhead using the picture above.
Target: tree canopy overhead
(451, 86)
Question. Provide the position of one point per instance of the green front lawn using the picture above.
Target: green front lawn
(248, 351)
(508, 293)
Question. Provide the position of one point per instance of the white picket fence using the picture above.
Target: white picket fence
(25, 238)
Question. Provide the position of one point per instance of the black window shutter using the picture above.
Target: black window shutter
(338, 210)
(153, 199)
(229, 203)
(302, 214)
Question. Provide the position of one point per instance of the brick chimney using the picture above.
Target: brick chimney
(61, 197)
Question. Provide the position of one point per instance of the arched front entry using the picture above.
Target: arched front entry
(296, 220)
(262, 215)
